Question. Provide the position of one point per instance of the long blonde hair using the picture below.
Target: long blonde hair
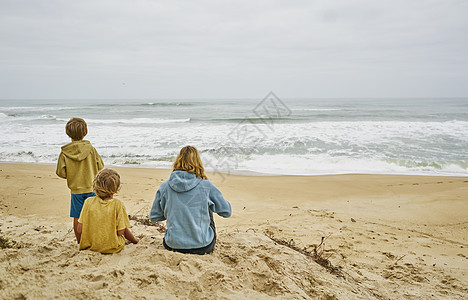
(189, 160)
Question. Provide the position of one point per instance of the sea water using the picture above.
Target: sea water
(269, 135)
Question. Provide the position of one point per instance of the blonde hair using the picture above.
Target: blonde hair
(189, 160)
(106, 183)
(76, 129)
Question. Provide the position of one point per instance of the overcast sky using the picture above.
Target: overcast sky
(233, 49)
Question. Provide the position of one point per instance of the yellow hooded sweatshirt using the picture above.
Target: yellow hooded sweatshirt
(79, 163)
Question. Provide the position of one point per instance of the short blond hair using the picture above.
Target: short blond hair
(106, 183)
(189, 160)
(76, 128)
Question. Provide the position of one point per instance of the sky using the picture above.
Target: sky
(127, 49)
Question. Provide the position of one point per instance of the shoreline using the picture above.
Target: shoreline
(393, 237)
(255, 173)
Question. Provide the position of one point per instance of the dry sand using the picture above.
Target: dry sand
(386, 237)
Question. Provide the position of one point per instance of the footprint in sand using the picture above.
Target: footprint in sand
(98, 278)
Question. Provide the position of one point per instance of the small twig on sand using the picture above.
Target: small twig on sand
(65, 235)
(146, 221)
(138, 212)
(316, 255)
(399, 259)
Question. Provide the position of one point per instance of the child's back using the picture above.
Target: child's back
(101, 219)
(103, 224)
(79, 163)
(187, 201)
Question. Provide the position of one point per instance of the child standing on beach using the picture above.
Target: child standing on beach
(187, 201)
(79, 163)
(103, 223)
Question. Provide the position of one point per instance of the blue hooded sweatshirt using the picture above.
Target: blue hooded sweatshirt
(185, 201)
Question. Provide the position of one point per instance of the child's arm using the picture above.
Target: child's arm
(123, 222)
(79, 230)
(100, 163)
(218, 204)
(61, 167)
(157, 212)
(128, 235)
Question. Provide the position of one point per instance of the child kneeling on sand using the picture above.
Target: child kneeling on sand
(103, 223)
(187, 201)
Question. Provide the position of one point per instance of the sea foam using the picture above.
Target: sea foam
(315, 137)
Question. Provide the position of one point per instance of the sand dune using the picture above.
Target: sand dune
(385, 237)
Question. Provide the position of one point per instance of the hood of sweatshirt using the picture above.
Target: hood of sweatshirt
(77, 150)
(183, 181)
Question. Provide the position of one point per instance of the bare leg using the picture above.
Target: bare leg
(129, 236)
(75, 226)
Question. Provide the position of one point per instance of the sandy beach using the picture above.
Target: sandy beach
(384, 237)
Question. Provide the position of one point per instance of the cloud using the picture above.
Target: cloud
(228, 49)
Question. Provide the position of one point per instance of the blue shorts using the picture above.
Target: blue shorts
(77, 201)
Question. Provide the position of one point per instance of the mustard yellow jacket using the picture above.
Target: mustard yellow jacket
(79, 163)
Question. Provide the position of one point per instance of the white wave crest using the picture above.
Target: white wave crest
(138, 121)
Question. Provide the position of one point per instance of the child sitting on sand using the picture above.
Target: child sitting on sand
(79, 163)
(103, 224)
(187, 201)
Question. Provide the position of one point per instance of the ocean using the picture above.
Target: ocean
(267, 135)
